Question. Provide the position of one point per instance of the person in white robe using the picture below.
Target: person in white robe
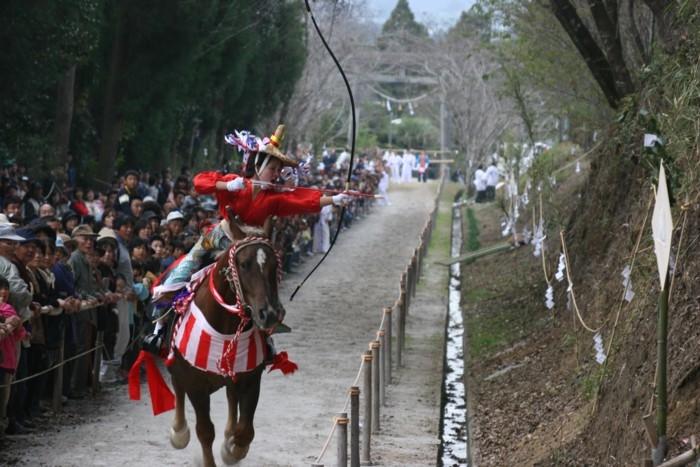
(492, 177)
(383, 186)
(480, 184)
(395, 162)
(409, 161)
(322, 230)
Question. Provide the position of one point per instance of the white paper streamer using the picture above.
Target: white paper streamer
(549, 297)
(598, 346)
(527, 236)
(561, 268)
(578, 167)
(627, 283)
(538, 239)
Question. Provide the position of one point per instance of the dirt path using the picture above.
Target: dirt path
(333, 318)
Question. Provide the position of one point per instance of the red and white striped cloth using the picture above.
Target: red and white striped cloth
(203, 347)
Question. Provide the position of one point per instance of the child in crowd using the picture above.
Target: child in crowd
(11, 332)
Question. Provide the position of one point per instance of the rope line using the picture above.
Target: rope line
(571, 287)
(635, 252)
(61, 363)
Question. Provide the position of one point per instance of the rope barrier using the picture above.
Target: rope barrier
(571, 286)
(335, 419)
(35, 375)
(329, 438)
(635, 252)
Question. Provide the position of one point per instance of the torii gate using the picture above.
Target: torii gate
(402, 78)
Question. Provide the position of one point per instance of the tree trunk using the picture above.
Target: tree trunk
(64, 116)
(665, 13)
(606, 22)
(595, 59)
(112, 118)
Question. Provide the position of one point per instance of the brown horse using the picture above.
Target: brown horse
(253, 285)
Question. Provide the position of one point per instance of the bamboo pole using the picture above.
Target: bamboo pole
(400, 329)
(387, 353)
(342, 422)
(354, 426)
(381, 338)
(659, 453)
(374, 347)
(367, 419)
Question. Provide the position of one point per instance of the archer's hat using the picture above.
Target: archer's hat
(271, 146)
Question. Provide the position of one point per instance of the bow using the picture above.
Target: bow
(352, 142)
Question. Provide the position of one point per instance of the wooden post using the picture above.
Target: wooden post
(354, 426)
(387, 350)
(416, 274)
(57, 395)
(400, 329)
(342, 421)
(367, 419)
(406, 286)
(659, 453)
(381, 336)
(374, 347)
(97, 362)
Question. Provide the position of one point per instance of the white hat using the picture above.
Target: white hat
(174, 215)
(5, 220)
(7, 232)
(148, 199)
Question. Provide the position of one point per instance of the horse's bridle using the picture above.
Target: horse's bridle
(240, 309)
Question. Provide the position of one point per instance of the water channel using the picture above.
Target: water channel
(454, 443)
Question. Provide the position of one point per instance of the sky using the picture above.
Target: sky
(441, 11)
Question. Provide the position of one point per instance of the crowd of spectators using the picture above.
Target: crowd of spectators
(78, 259)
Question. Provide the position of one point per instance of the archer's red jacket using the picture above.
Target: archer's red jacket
(254, 211)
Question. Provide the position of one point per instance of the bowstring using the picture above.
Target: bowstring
(352, 145)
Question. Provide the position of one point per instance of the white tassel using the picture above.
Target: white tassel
(561, 268)
(627, 283)
(549, 297)
(598, 346)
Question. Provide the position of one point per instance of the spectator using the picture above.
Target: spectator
(11, 333)
(32, 201)
(84, 322)
(176, 224)
(130, 189)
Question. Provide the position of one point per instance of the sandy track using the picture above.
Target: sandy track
(333, 318)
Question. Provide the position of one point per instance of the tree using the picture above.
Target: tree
(600, 42)
(402, 21)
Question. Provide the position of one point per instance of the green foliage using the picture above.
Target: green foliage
(41, 40)
(541, 67)
(546, 164)
(473, 23)
(171, 68)
(402, 20)
(472, 231)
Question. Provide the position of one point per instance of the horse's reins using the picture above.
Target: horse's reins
(233, 279)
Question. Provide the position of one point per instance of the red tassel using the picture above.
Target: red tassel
(162, 398)
(283, 363)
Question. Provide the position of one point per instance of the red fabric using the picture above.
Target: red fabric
(254, 211)
(283, 363)
(80, 208)
(162, 398)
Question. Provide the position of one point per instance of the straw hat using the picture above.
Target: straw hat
(271, 146)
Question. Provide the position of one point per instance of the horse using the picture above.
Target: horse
(238, 297)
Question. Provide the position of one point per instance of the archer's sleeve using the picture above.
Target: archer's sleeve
(205, 182)
(297, 202)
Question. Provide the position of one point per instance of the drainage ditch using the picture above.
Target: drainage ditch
(454, 442)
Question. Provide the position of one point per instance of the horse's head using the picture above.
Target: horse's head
(258, 270)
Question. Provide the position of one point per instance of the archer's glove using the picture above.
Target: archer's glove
(237, 184)
(341, 199)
